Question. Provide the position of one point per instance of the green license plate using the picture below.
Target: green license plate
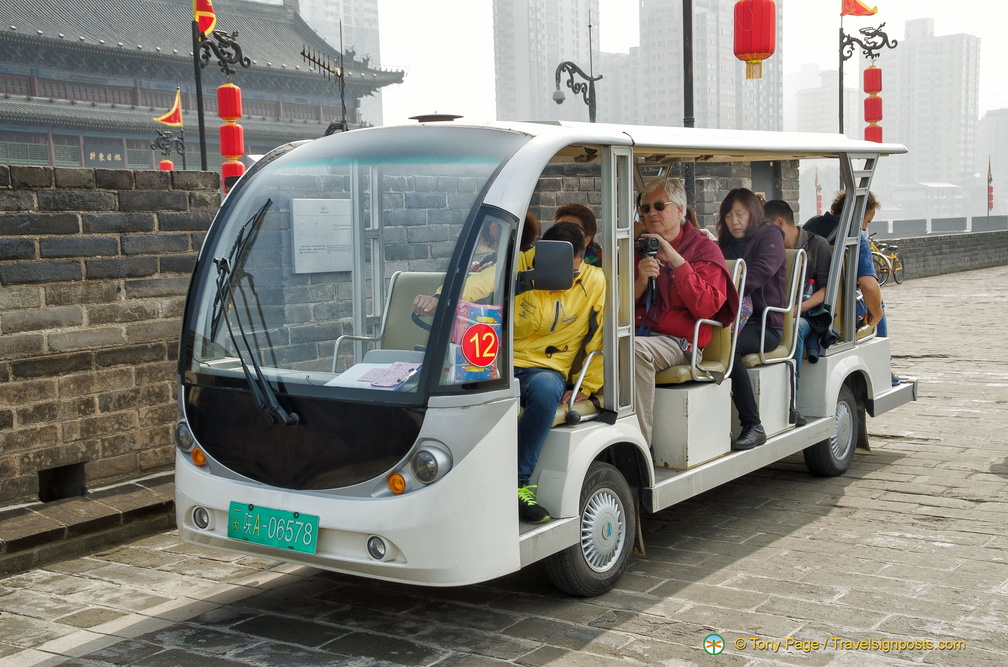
(279, 529)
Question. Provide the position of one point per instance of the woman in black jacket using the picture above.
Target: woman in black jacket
(743, 234)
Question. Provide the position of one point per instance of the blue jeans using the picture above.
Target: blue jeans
(541, 391)
(804, 329)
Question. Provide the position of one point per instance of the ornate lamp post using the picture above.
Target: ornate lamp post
(585, 90)
(874, 41)
(228, 52)
(166, 142)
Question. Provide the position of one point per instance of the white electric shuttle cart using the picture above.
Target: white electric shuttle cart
(323, 424)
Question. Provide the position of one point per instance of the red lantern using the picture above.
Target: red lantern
(873, 103)
(873, 80)
(166, 165)
(231, 169)
(229, 102)
(873, 109)
(232, 140)
(755, 34)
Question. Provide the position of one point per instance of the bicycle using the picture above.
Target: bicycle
(893, 260)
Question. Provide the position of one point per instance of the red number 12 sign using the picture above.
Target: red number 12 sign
(479, 344)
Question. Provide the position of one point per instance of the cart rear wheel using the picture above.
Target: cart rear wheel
(834, 456)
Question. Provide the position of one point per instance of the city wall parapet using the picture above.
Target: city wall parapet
(94, 267)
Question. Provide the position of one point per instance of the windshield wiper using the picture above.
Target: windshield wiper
(261, 389)
(235, 257)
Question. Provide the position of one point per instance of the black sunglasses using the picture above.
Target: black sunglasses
(658, 206)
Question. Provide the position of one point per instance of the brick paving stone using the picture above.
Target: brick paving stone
(474, 642)
(465, 616)
(285, 655)
(88, 618)
(909, 544)
(384, 648)
(200, 639)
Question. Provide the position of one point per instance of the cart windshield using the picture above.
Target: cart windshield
(307, 281)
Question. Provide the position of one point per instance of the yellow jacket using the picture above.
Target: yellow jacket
(550, 328)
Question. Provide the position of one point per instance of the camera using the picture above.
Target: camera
(647, 246)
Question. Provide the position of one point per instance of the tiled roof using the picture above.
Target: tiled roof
(127, 120)
(271, 34)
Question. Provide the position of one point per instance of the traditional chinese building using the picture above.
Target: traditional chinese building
(82, 80)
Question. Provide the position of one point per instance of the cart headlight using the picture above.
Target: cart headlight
(184, 439)
(430, 463)
(376, 547)
(201, 517)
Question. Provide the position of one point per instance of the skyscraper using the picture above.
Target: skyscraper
(723, 97)
(531, 38)
(931, 104)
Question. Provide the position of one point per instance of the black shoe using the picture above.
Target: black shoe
(799, 419)
(751, 436)
(529, 510)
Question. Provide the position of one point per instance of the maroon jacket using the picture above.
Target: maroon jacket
(701, 288)
(766, 270)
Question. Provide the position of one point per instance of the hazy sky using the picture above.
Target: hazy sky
(446, 46)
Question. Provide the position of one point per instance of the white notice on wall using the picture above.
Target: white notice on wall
(322, 235)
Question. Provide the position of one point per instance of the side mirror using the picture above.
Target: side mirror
(553, 268)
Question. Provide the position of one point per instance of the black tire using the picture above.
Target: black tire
(882, 267)
(608, 530)
(897, 268)
(834, 456)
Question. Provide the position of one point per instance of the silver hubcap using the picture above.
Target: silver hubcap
(603, 530)
(841, 443)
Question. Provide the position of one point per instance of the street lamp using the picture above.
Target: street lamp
(586, 90)
(874, 41)
(166, 142)
(228, 52)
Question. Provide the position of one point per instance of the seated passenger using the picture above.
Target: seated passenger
(550, 329)
(817, 252)
(870, 310)
(490, 240)
(583, 217)
(744, 234)
(530, 232)
(685, 280)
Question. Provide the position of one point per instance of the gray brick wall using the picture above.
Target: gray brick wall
(948, 253)
(94, 266)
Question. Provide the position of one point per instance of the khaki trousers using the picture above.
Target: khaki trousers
(654, 353)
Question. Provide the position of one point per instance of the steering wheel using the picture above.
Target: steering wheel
(417, 320)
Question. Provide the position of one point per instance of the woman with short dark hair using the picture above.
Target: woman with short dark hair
(744, 234)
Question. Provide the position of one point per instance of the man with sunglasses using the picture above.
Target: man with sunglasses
(686, 279)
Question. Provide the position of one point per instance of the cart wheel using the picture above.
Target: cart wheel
(834, 456)
(608, 526)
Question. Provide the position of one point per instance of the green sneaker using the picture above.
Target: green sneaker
(529, 510)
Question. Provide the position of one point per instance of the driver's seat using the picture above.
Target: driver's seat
(398, 331)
